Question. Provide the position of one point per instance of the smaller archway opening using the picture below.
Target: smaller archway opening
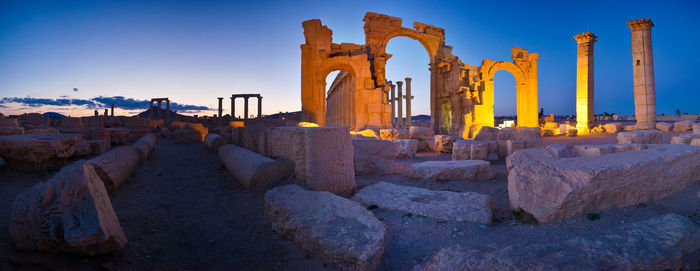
(340, 89)
(505, 99)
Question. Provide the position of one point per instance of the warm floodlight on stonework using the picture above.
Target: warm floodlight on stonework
(307, 124)
(584, 81)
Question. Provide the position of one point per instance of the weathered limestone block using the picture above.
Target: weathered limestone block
(561, 188)
(335, 228)
(409, 147)
(253, 171)
(598, 150)
(696, 131)
(322, 156)
(8, 122)
(598, 129)
(214, 142)
(98, 146)
(664, 126)
(374, 156)
(547, 132)
(684, 139)
(38, 152)
(487, 133)
(451, 170)
(532, 134)
(554, 151)
(41, 131)
(682, 126)
(253, 138)
(115, 166)
(514, 145)
(641, 137)
(470, 150)
(118, 136)
(393, 134)
(82, 148)
(572, 132)
(11, 131)
(613, 128)
(71, 212)
(424, 135)
(71, 126)
(144, 146)
(443, 143)
(551, 125)
(468, 206)
(190, 133)
(138, 127)
(629, 128)
(695, 142)
(659, 243)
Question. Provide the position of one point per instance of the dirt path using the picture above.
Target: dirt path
(181, 210)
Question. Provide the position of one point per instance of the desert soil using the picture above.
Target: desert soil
(181, 210)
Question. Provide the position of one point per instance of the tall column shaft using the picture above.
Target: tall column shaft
(168, 117)
(643, 70)
(259, 106)
(221, 102)
(233, 107)
(584, 80)
(399, 105)
(150, 110)
(96, 113)
(408, 101)
(245, 108)
(112, 110)
(393, 104)
(159, 106)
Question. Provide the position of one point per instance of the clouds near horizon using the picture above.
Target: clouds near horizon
(120, 102)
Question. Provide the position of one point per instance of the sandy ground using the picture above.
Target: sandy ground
(181, 210)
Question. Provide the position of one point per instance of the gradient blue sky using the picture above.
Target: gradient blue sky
(195, 51)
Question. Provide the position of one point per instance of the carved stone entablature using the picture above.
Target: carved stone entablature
(640, 24)
(429, 29)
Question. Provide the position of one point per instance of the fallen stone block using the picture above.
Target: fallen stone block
(374, 156)
(253, 171)
(659, 243)
(11, 131)
(393, 134)
(641, 137)
(409, 147)
(696, 131)
(214, 142)
(339, 230)
(551, 125)
(118, 136)
(695, 142)
(598, 150)
(684, 139)
(38, 152)
(572, 132)
(547, 132)
(664, 126)
(553, 189)
(443, 143)
(531, 134)
(98, 146)
(144, 146)
(115, 166)
(82, 148)
(138, 127)
(683, 126)
(487, 133)
(613, 128)
(628, 128)
(549, 152)
(451, 170)
(467, 206)
(598, 129)
(514, 145)
(71, 212)
(470, 150)
(424, 135)
(41, 131)
(322, 156)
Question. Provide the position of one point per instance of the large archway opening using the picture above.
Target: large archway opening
(505, 99)
(410, 59)
(339, 94)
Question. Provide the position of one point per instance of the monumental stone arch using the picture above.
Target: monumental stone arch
(461, 95)
(524, 69)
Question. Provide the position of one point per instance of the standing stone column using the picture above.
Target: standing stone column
(150, 110)
(106, 112)
(245, 107)
(584, 81)
(112, 110)
(221, 101)
(259, 106)
(400, 104)
(643, 69)
(96, 114)
(167, 112)
(408, 98)
(233, 108)
(159, 106)
(393, 104)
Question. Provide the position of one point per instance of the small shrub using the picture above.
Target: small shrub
(593, 216)
(524, 217)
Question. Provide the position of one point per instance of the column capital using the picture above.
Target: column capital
(585, 37)
(640, 24)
